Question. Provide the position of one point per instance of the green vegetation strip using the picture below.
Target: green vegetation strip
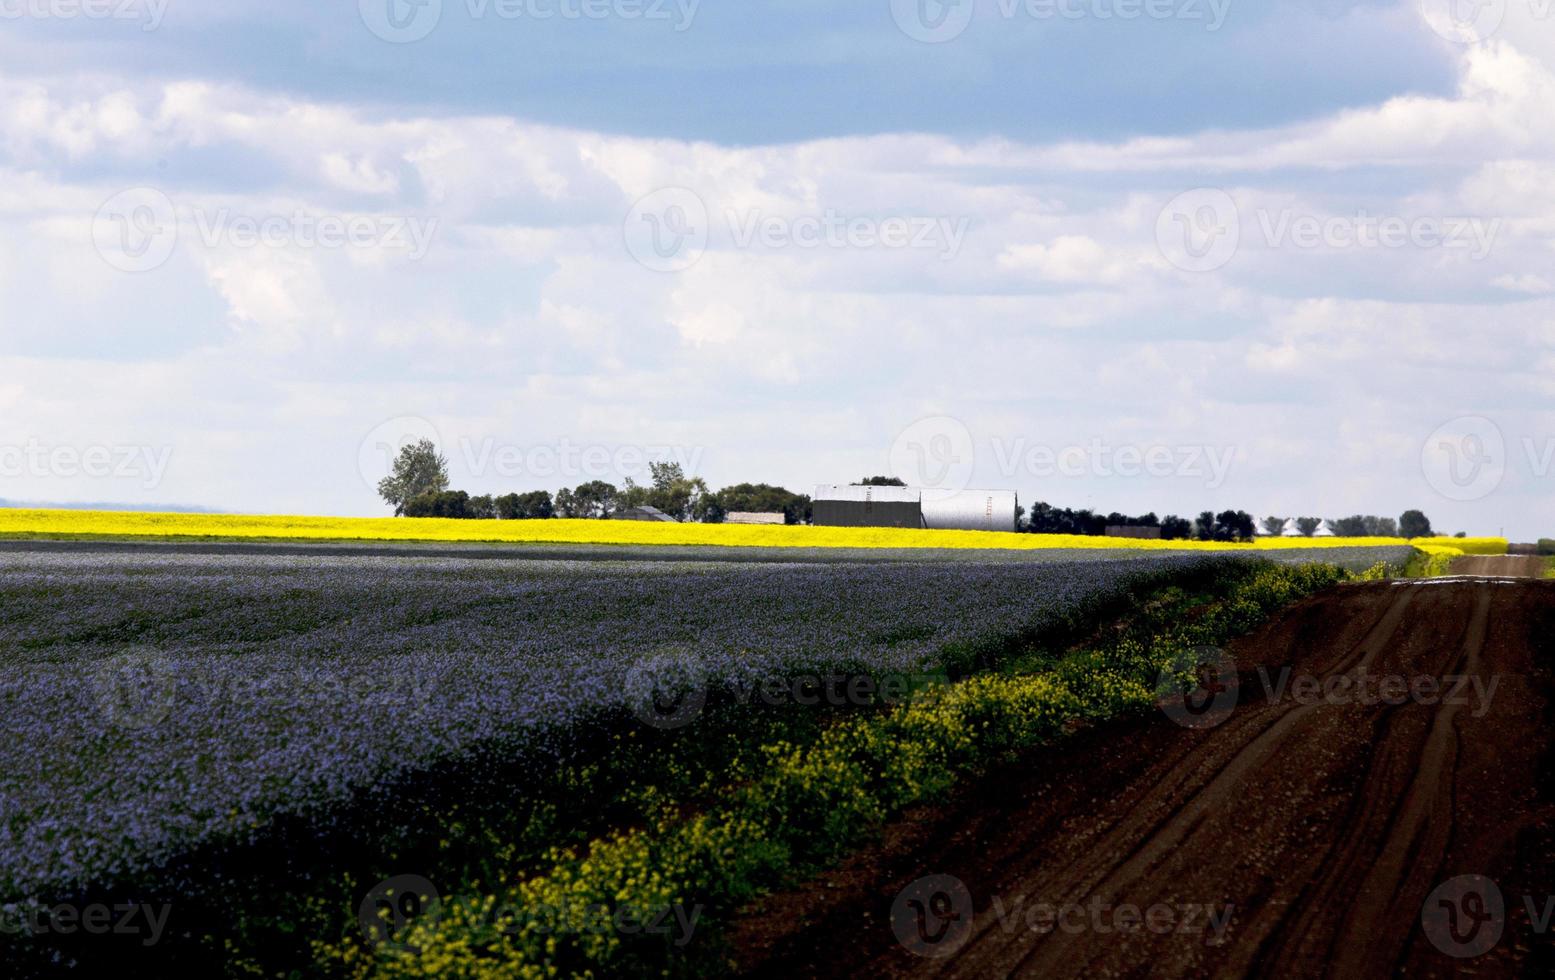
(790, 807)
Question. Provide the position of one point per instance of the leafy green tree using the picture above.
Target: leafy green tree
(1273, 526)
(439, 503)
(880, 481)
(1351, 527)
(418, 469)
(1204, 527)
(595, 498)
(762, 498)
(1308, 525)
(536, 505)
(1174, 527)
(482, 508)
(1414, 524)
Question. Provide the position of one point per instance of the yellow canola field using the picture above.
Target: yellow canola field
(125, 524)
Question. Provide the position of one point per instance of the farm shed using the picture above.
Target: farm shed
(643, 513)
(754, 517)
(1132, 531)
(970, 510)
(848, 506)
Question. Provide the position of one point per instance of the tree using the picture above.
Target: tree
(880, 481)
(1351, 527)
(528, 506)
(1273, 526)
(763, 498)
(1308, 525)
(1174, 527)
(566, 505)
(1234, 525)
(1414, 524)
(536, 505)
(596, 499)
(418, 469)
(666, 474)
(439, 503)
(1204, 527)
(482, 508)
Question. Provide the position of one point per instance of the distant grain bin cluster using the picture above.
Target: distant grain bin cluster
(872, 506)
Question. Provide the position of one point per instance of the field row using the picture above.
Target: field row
(114, 524)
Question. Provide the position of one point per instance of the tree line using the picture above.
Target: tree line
(417, 486)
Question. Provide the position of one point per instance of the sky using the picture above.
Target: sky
(1292, 257)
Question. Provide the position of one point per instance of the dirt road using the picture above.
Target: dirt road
(1302, 835)
(1503, 566)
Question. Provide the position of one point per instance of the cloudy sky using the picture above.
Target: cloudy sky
(1292, 256)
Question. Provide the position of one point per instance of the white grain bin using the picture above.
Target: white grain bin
(970, 510)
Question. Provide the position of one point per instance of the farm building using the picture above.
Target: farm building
(1290, 530)
(967, 510)
(1132, 531)
(970, 510)
(754, 517)
(847, 506)
(643, 513)
(1324, 530)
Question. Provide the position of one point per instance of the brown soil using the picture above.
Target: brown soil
(1502, 566)
(1323, 826)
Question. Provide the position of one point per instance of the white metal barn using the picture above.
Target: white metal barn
(835, 505)
(970, 510)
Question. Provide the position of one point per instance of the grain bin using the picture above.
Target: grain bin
(970, 510)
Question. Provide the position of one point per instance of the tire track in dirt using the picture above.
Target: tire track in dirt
(1322, 825)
